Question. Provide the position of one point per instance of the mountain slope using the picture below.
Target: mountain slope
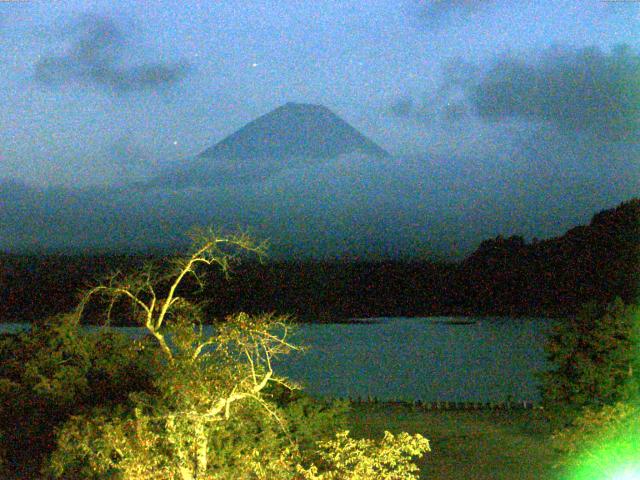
(287, 136)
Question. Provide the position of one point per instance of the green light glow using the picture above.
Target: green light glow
(614, 456)
(612, 450)
(629, 472)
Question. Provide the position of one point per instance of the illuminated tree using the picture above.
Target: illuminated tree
(200, 380)
(212, 410)
(54, 370)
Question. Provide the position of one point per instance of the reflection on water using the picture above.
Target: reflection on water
(428, 359)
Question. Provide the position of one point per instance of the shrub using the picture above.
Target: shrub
(592, 392)
(52, 371)
(594, 359)
(344, 458)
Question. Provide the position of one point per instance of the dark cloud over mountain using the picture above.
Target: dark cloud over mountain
(94, 57)
(402, 106)
(584, 90)
(437, 12)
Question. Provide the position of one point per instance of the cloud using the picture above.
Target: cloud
(436, 13)
(97, 45)
(403, 107)
(583, 90)
(447, 104)
(146, 76)
(129, 160)
(577, 92)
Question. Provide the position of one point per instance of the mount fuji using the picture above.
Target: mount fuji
(291, 135)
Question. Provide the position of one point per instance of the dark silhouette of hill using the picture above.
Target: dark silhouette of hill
(594, 262)
(503, 276)
(292, 133)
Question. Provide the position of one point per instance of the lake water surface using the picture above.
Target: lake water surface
(424, 359)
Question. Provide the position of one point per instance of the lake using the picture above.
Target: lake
(431, 359)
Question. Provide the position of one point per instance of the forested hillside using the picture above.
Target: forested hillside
(505, 276)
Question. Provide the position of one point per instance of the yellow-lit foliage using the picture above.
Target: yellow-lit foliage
(345, 458)
(210, 414)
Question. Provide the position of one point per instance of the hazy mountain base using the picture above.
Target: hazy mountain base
(351, 206)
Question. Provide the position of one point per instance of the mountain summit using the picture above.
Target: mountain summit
(287, 136)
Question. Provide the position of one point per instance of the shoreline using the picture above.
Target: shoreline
(436, 319)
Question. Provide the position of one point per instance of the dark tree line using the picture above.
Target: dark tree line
(593, 263)
(504, 276)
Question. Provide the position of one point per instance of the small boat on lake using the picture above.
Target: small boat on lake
(456, 321)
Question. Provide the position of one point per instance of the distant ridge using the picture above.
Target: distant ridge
(291, 133)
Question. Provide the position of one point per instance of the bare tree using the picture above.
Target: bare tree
(201, 376)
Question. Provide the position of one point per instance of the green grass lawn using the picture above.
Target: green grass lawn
(474, 445)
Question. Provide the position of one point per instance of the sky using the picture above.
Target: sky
(99, 93)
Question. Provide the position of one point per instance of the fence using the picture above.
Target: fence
(446, 405)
